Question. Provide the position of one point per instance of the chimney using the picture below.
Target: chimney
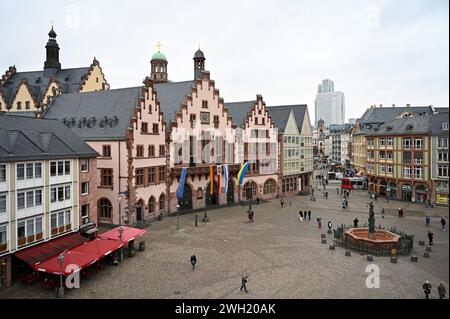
(393, 105)
(381, 105)
(408, 105)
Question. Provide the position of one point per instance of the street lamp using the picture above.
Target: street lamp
(120, 209)
(120, 230)
(178, 216)
(60, 289)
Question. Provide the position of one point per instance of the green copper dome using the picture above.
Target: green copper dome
(159, 56)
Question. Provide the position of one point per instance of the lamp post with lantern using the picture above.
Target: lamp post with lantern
(60, 289)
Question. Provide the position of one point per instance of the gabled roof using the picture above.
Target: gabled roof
(239, 111)
(25, 138)
(280, 117)
(170, 96)
(38, 81)
(298, 109)
(110, 112)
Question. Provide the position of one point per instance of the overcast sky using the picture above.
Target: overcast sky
(375, 51)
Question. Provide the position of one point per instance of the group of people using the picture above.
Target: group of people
(441, 290)
(303, 215)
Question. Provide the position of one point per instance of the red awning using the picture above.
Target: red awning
(46, 250)
(81, 256)
(128, 234)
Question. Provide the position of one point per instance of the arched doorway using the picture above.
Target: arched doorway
(212, 199)
(186, 201)
(230, 192)
(392, 190)
(139, 210)
(104, 208)
(406, 192)
(249, 190)
(421, 194)
(270, 187)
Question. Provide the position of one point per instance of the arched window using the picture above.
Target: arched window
(105, 208)
(162, 199)
(269, 187)
(151, 205)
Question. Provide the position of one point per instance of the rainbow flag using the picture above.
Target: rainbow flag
(240, 175)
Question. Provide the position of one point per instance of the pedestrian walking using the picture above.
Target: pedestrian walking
(196, 220)
(330, 225)
(258, 201)
(337, 190)
(382, 213)
(355, 222)
(319, 222)
(427, 289)
(442, 291)
(427, 220)
(193, 261)
(430, 238)
(375, 196)
(326, 195)
(244, 283)
(309, 215)
(443, 223)
(282, 203)
(300, 216)
(290, 203)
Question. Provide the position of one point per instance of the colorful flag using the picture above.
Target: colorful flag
(211, 179)
(219, 172)
(225, 173)
(180, 190)
(241, 173)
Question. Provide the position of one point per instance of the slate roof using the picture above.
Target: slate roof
(405, 125)
(436, 123)
(280, 117)
(170, 96)
(299, 113)
(69, 79)
(239, 110)
(373, 118)
(116, 105)
(25, 138)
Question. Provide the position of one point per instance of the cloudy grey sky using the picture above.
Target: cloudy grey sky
(376, 51)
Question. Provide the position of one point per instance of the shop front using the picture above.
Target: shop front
(407, 192)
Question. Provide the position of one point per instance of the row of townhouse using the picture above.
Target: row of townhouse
(47, 185)
(146, 135)
(404, 152)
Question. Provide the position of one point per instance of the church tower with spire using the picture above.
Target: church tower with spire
(159, 66)
(199, 63)
(52, 56)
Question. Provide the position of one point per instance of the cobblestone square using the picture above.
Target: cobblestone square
(283, 257)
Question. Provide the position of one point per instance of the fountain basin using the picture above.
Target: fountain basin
(382, 242)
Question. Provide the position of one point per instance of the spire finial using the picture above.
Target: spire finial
(158, 46)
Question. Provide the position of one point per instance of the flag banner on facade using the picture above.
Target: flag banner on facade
(180, 190)
(241, 173)
(211, 179)
(219, 172)
(225, 173)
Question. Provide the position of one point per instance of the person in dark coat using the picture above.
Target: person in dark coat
(330, 224)
(427, 221)
(300, 215)
(258, 201)
(282, 203)
(193, 261)
(309, 215)
(427, 289)
(326, 195)
(442, 291)
(430, 238)
(443, 223)
(355, 222)
(244, 283)
(196, 220)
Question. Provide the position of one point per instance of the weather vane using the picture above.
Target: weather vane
(158, 46)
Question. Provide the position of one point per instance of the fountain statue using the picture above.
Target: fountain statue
(371, 219)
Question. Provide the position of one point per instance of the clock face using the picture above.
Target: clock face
(204, 117)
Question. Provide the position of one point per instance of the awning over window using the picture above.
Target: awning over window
(81, 256)
(128, 234)
(46, 250)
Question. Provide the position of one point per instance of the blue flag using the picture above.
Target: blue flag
(225, 173)
(180, 190)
